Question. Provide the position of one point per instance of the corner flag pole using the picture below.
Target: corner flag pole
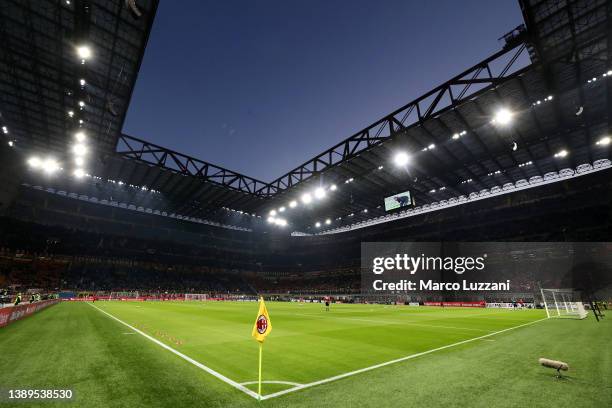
(259, 386)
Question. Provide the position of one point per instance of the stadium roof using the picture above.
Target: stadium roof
(41, 69)
(551, 76)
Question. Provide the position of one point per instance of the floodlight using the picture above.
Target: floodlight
(271, 220)
(503, 117)
(306, 198)
(4, 130)
(81, 104)
(79, 161)
(79, 149)
(82, 82)
(318, 225)
(50, 166)
(328, 221)
(281, 209)
(273, 213)
(561, 153)
(84, 52)
(293, 204)
(333, 187)
(604, 141)
(79, 173)
(80, 136)
(11, 143)
(431, 146)
(401, 159)
(34, 162)
(319, 192)
(70, 113)
(280, 222)
(455, 136)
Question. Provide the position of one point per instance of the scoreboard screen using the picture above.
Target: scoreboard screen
(401, 200)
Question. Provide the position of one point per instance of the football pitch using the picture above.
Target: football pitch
(202, 354)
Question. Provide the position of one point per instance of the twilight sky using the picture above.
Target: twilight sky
(262, 86)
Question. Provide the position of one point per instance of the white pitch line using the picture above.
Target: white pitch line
(184, 357)
(271, 382)
(362, 370)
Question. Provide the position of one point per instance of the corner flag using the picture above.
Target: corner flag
(263, 325)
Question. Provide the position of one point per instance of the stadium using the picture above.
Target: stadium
(454, 252)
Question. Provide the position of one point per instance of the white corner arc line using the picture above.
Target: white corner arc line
(184, 357)
(272, 382)
(362, 370)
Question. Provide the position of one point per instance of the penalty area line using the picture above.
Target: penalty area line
(184, 357)
(398, 360)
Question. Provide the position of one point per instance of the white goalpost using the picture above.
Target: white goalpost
(124, 295)
(563, 303)
(196, 296)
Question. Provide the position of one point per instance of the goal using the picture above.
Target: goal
(563, 303)
(196, 296)
(123, 295)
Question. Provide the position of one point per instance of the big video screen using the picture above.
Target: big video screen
(401, 200)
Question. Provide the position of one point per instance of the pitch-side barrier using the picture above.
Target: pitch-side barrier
(12, 313)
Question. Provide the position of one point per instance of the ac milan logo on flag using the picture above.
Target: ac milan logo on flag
(262, 324)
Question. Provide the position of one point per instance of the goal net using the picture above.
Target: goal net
(196, 296)
(123, 295)
(563, 303)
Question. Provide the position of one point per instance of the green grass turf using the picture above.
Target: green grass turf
(75, 346)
